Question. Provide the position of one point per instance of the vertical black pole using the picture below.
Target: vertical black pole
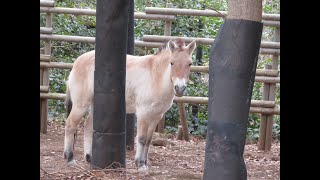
(130, 45)
(130, 118)
(233, 61)
(109, 125)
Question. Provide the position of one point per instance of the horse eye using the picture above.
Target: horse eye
(171, 63)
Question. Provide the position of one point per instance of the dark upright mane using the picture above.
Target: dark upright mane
(180, 42)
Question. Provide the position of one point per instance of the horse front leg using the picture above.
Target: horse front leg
(141, 141)
(151, 129)
(145, 130)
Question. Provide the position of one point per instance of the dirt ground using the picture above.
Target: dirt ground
(178, 160)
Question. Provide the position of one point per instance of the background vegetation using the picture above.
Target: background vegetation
(189, 26)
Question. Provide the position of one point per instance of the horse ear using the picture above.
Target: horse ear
(171, 45)
(192, 46)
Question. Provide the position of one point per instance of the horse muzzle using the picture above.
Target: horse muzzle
(180, 90)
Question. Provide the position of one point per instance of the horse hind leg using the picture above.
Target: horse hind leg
(88, 129)
(72, 123)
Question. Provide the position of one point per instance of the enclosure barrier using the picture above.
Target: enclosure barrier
(269, 77)
(152, 44)
(46, 3)
(194, 12)
(205, 41)
(269, 91)
(202, 69)
(265, 76)
(258, 106)
(91, 12)
(44, 73)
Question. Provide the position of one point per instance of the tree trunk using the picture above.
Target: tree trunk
(245, 9)
(232, 68)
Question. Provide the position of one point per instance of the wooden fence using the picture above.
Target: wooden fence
(269, 76)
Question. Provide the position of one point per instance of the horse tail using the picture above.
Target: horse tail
(68, 102)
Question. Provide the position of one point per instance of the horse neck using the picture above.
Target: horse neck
(161, 71)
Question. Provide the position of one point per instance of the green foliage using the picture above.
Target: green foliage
(189, 26)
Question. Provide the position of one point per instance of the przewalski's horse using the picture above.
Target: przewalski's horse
(152, 81)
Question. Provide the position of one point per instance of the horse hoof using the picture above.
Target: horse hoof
(143, 168)
(72, 163)
(88, 158)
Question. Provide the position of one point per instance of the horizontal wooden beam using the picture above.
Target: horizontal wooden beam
(265, 110)
(84, 39)
(138, 43)
(44, 88)
(46, 30)
(269, 51)
(195, 12)
(271, 23)
(92, 12)
(148, 16)
(46, 3)
(204, 100)
(267, 72)
(259, 72)
(140, 15)
(265, 79)
(59, 65)
(207, 41)
(66, 38)
(44, 57)
(60, 96)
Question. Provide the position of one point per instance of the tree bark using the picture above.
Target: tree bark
(245, 9)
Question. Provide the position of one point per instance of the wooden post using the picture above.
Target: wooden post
(183, 120)
(263, 120)
(167, 32)
(45, 80)
(272, 95)
(161, 124)
(179, 133)
(41, 80)
(167, 27)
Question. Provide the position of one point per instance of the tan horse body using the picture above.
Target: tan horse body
(152, 81)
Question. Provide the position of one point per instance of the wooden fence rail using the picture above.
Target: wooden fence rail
(194, 12)
(154, 13)
(263, 73)
(83, 39)
(45, 30)
(206, 41)
(92, 12)
(44, 88)
(253, 109)
(204, 100)
(46, 3)
(44, 57)
(147, 38)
